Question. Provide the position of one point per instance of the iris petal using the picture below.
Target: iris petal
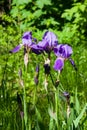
(67, 51)
(27, 35)
(27, 39)
(51, 38)
(63, 50)
(59, 64)
(16, 49)
(48, 42)
(36, 49)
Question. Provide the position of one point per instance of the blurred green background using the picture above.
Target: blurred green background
(68, 20)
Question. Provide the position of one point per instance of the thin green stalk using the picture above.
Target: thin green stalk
(25, 101)
(57, 103)
(35, 91)
(25, 110)
(29, 124)
(22, 124)
(56, 106)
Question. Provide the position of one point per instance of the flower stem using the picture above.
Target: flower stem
(25, 100)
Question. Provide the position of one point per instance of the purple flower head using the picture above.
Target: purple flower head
(48, 42)
(63, 52)
(27, 42)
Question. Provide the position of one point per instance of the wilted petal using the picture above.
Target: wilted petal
(20, 73)
(26, 59)
(59, 64)
(16, 49)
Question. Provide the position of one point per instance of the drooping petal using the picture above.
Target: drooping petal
(59, 64)
(16, 49)
(26, 59)
(42, 44)
(36, 49)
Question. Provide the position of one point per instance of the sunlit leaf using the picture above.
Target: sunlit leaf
(77, 120)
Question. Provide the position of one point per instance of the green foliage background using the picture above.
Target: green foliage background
(68, 20)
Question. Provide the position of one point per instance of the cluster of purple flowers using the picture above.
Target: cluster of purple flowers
(49, 43)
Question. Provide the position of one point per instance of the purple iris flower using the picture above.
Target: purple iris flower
(63, 52)
(28, 42)
(48, 42)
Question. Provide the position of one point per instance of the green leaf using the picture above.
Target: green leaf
(14, 12)
(38, 115)
(77, 120)
(52, 114)
(77, 105)
(20, 2)
(37, 13)
(41, 3)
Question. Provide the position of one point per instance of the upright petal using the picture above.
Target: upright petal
(51, 38)
(27, 35)
(59, 64)
(67, 51)
(16, 49)
(27, 38)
